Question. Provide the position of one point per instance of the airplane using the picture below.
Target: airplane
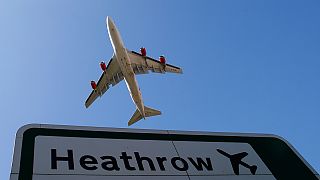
(124, 65)
(236, 161)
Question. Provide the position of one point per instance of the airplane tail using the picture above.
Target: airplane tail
(253, 169)
(137, 115)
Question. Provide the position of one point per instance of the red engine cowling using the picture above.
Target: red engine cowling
(93, 85)
(103, 66)
(162, 60)
(143, 51)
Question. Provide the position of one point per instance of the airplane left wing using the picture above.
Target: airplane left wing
(142, 64)
(235, 161)
(235, 167)
(111, 76)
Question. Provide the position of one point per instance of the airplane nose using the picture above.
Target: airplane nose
(109, 22)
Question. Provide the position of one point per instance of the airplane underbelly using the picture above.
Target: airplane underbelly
(129, 76)
(133, 88)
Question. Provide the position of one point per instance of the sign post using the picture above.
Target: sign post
(48, 152)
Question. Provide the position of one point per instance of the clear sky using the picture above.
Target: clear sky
(249, 66)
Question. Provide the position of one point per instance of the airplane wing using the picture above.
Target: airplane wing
(111, 76)
(235, 167)
(144, 64)
(239, 156)
(235, 161)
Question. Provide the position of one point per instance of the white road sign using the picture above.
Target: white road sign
(49, 152)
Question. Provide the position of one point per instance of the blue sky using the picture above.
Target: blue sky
(249, 66)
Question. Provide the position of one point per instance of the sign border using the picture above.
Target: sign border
(286, 163)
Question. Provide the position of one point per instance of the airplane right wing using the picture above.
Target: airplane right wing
(111, 76)
(239, 156)
(142, 64)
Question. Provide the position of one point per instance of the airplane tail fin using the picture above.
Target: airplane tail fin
(253, 169)
(137, 115)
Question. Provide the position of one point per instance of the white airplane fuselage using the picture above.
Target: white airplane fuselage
(125, 65)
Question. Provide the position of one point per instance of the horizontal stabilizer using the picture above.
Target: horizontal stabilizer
(137, 115)
(253, 169)
(151, 112)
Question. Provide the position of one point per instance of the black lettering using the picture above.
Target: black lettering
(126, 162)
(87, 160)
(55, 159)
(111, 161)
(140, 159)
(184, 167)
(160, 162)
(198, 165)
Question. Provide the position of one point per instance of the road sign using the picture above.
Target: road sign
(48, 152)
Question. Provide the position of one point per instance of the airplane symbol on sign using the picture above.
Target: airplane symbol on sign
(236, 161)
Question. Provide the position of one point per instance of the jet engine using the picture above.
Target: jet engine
(93, 85)
(143, 51)
(103, 66)
(162, 60)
